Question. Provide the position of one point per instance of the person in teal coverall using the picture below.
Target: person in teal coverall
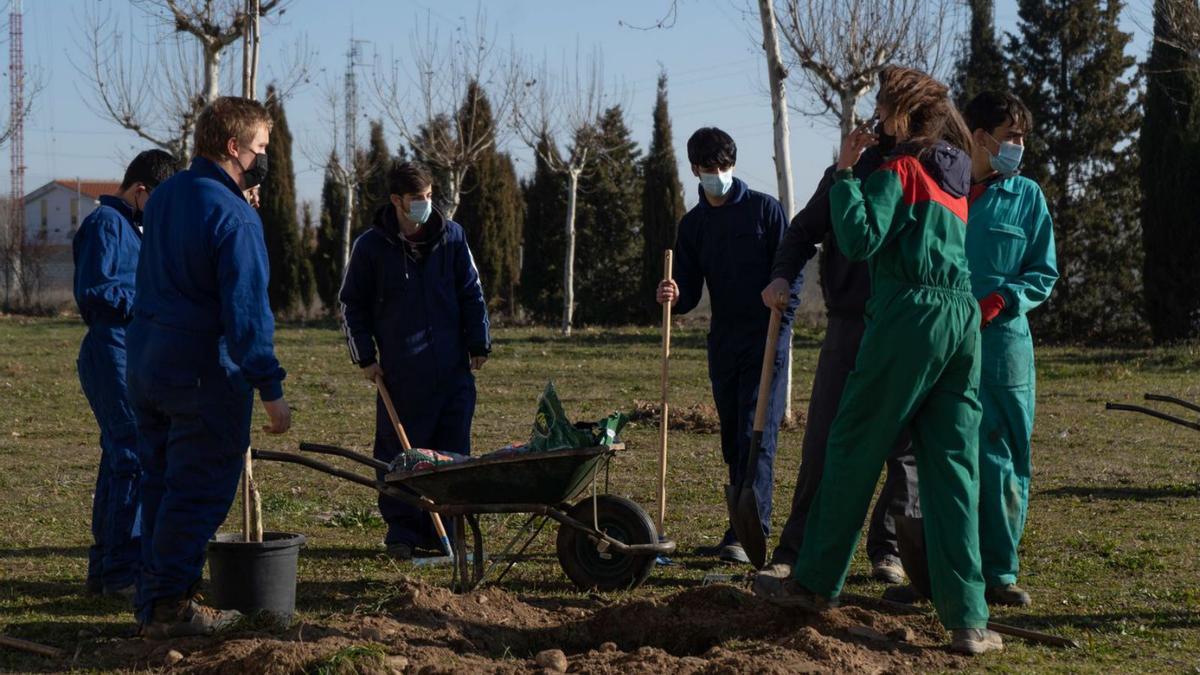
(1010, 249)
(918, 366)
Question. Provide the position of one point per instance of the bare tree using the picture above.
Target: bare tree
(155, 85)
(422, 97)
(838, 47)
(564, 110)
(1182, 19)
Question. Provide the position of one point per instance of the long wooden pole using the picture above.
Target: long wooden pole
(662, 426)
(391, 410)
(246, 508)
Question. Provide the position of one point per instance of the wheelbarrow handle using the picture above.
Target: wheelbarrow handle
(343, 452)
(1153, 413)
(1171, 399)
(378, 486)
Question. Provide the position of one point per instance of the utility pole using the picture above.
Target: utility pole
(16, 221)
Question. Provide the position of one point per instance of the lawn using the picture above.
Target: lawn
(1109, 554)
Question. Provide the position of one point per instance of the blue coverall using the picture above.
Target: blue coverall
(420, 303)
(730, 248)
(106, 256)
(1010, 250)
(201, 338)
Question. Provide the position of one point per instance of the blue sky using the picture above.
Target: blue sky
(716, 70)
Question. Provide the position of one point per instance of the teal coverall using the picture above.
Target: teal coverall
(917, 369)
(1010, 249)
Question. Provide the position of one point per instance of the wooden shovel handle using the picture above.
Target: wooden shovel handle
(768, 371)
(662, 430)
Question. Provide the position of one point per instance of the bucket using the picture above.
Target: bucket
(254, 577)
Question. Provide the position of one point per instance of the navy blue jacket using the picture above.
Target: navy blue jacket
(730, 248)
(106, 251)
(421, 306)
(205, 271)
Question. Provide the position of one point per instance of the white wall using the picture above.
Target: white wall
(57, 226)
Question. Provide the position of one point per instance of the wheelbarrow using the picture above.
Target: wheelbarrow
(604, 542)
(1160, 415)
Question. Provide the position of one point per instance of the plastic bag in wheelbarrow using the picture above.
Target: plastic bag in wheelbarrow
(553, 431)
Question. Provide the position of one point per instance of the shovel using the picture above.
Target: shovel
(391, 410)
(742, 499)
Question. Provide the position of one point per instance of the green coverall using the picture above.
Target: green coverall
(917, 368)
(1010, 248)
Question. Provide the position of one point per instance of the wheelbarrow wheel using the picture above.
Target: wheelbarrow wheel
(590, 568)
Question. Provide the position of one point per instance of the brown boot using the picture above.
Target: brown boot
(183, 617)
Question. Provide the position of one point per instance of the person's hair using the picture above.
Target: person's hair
(710, 146)
(225, 118)
(921, 109)
(150, 168)
(991, 109)
(405, 178)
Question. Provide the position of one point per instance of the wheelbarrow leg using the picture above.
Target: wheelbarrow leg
(477, 535)
(460, 554)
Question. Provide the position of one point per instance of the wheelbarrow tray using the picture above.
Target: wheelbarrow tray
(551, 478)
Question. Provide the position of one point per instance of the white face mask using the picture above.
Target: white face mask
(420, 210)
(717, 184)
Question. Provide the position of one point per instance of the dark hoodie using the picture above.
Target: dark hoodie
(419, 302)
(908, 219)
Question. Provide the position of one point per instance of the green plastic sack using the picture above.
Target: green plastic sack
(551, 428)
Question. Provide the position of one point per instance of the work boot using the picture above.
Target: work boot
(125, 592)
(734, 553)
(888, 570)
(1010, 595)
(401, 552)
(768, 583)
(792, 594)
(906, 594)
(975, 641)
(94, 586)
(184, 617)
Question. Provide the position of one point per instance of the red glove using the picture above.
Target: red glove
(990, 307)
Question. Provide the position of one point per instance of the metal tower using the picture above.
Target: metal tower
(16, 83)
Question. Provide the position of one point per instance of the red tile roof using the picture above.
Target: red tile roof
(91, 188)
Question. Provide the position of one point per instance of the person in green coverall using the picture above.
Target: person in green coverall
(1010, 248)
(918, 366)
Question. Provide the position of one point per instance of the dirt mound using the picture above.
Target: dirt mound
(425, 629)
(700, 417)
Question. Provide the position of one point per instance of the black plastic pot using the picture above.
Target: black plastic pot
(254, 577)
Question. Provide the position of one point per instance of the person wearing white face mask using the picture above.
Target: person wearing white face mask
(1010, 251)
(727, 243)
(413, 313)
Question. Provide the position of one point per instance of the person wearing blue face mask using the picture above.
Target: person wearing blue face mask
(1010, 252)
(727, 242)
(414, 314)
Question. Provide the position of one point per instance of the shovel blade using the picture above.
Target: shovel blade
(747, 525)
(910, 537)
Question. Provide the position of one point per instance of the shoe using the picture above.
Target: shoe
(888, 570)
(401, 552)
(734, 553)
(792, 594)
(906, 594)
(126, 592)
(1010, 595)
(93, 586)
(768, 583)
(183, 617)
(975, 641)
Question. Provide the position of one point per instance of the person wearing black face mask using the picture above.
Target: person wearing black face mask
(106, 249)
(846, 285)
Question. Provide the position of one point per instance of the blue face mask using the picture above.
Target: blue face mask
(419, 211)
(1008, 160)
(717, 184)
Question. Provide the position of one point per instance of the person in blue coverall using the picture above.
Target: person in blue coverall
(200, 342)
(1010, 250)
(105, 251)
(727, 242)
(414, 315)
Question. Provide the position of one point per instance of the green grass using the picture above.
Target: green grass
(1110, 554)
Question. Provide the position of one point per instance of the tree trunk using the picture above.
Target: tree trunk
(255, 39)
(783, 157)
(849, 114)
(212, 72)
(569, 260)
(453, 194)
(347, 222)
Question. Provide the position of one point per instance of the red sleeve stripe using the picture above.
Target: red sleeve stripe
(919, 187)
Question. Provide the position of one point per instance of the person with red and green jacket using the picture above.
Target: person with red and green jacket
(918, 365)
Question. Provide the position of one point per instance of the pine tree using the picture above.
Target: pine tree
(662, 203)
(512, 206)
(327, 258)
(1069, 66)
(608, 259)
(545, 195)
(438, 128)
(278, 212)
(981, 66)
(308, 245)
(373, 190)
(1170, 162)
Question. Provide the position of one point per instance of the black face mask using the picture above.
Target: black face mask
(257, 172)
(886, 141)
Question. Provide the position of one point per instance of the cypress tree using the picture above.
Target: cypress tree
(512, 209)
(327, 258)
(662, 203)
(308, 245)
(540, 291)
(608, 257)
(1170, 163)
(981, 66)
(437, 132)
(278, 212)
(1069, 66)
